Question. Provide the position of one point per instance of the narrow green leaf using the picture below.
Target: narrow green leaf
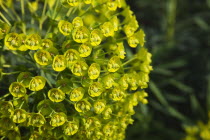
(158, 93)
(163, 71)
(177, 114)
(181, 86)
(175, 64)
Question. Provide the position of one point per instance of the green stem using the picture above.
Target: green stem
(21, 104)
(55, 10)
(171, 20)
(70, 102)
(22, 9)
(6, 95)
(129, 61)
(11, 73)
(17, 16)
(5, 9)
(5, 19)
(44, 9)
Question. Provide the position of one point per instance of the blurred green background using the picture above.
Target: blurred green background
(178, 36)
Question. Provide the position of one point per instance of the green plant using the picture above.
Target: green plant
(70, 80)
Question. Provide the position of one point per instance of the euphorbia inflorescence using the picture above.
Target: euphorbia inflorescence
(74, 79)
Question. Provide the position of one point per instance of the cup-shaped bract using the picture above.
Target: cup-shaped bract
(81, 34)
(99, 106)
(107, 29)
(37, 83)
(58, 119)
(108, 81)
(45, 107)
(4, 29)
(77, 22)
(6, 123)
(95, 37)
(65, 85)
(82, 106)
(85, 50)
(65, 27)
(115, 22)
(59, 63)
(17, 89)
(120, 50)
(71, 127)
(77, 94)
(56, 95)
(46, 43)
(6, 108)
(25, 78)
(117, 93)
(71, 56)
(42, 57)
(19, 116)
(12, 41)
(73, 2)
(107, 113)
(112, 5)
(94, 71)
(35, 136)
(33, 42)
(79, 68)
(23, 46)
(36, 120)
(87, 1)
(95, 89)
(114, 64)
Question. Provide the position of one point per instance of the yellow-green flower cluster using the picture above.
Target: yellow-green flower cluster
(82, 86)
(201, 131)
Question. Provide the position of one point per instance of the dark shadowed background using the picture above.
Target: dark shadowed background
(178, 36)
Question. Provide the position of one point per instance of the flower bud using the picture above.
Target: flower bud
(37, 83)
(17, 89)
